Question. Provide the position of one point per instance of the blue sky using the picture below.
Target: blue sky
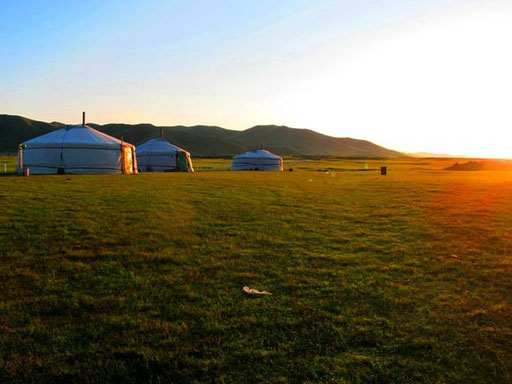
(179, 35)
(333, 66)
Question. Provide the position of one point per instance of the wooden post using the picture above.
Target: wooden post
(383, 171)
(83, 119)
(20, 160)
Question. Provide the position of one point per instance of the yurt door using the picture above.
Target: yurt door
(182, 161)
(127, 159)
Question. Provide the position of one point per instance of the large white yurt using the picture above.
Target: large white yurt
(257, 160)
(158, 155)
(76, 149)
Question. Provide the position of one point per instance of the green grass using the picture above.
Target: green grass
(9, 162)
(403, 278)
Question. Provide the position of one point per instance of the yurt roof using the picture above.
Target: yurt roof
(258, 154)
(159, 145)
(80, 136)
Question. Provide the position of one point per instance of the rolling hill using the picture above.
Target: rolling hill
(202, 140)
(16, 129)
(284, 140)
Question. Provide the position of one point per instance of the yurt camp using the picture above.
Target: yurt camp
(158, 155)
(76, 149)
(257, 160)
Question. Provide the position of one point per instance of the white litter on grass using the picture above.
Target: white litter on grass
(255, 292)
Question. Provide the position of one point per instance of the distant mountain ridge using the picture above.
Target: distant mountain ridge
(434, 155)
(203, 140)
(16, 129)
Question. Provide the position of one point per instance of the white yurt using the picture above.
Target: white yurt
(158, 155)
(76, 149)
(257, 160)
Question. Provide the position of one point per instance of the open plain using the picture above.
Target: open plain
(398, 278)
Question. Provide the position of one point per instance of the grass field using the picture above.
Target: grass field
(402, 278)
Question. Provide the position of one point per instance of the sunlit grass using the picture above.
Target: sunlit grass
(402, 278)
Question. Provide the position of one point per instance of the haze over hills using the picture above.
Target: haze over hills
(204, 140)
(434, 155)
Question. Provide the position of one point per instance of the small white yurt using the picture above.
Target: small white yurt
(257, 160)
(76, 149)
(158, 155)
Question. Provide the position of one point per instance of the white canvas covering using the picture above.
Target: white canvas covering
(77, 149)
(158, 155)
(257, 160)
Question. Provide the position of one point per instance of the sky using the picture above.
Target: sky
(411, 75)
